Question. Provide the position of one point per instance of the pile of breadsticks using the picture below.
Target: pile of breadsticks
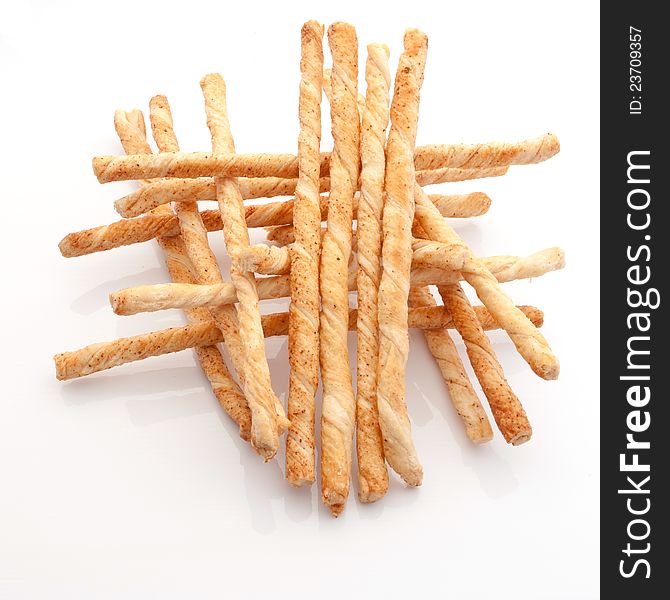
(403, 245)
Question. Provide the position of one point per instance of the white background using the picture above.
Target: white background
(132, 483)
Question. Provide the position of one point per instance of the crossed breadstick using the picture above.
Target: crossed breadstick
(402, 246)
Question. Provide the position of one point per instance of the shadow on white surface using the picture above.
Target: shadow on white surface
(492, 470)
(98, 297)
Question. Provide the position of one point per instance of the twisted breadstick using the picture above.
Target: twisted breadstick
(141, 229)
(276, 260)
(372, 472)
(203, 164)
(266, 410)
(206, 269)
(107, 355)
(397, 258)
(303, 263)
(147, 298)
(481, 156)
(268, 260)
(327, 91)
(461, 392)
(506, 407)
(131, 130)
(528, 340)
(338, 409)
(181, 190)
(448, 175)
(459, 206)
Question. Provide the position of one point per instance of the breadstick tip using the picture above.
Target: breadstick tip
(521, 438)
(213, 79)
(117, 303)
(483, 199)
(414, 40)
(312, 27)
(375, 47)
(334, 501)
(64, 247)
(99, 165)
(61, 373)
(554, 146)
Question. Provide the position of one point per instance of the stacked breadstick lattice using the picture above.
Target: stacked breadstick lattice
(403, 245)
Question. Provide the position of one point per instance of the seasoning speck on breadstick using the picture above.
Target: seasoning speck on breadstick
(338, 408)
(372, 472)
(462, 394)
(107, 355)
(267, 414)
(303, 332)
(397, 261)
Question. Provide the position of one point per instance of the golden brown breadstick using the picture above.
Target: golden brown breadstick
(507, 410)
(463, 396)
(206, 269)
(372, 472)
(482, 156)
(148, 298)
(227, 392)
(141, 229)
(131, 130)
(338, 408)
(267, 260)
(266, 410)
(181, 190)
(397, 259)
(303, 263)
(202, 164)
(528, 340)
(106, 355)
(426, 253)
(504, 268)
(276, 260)
(327, 88)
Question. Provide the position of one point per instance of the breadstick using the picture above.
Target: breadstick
(276, 260)
(327, 88)
(448, 174)
(505, 406)
(481, 156)
(459, 206)
(267, 260)
(463, 396)
(205, 266)
(148, 298)
(266, 411)
(426, 253)
(338, 408)
(131, 130)
(106, 355)
(397, 258)
(303, 263)
(504, 268)
(227, 392)
(164, 191)
(134, 231)
(372, 472)
(202, 164)
(528, 340)
(180, 190)
(194, 237)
